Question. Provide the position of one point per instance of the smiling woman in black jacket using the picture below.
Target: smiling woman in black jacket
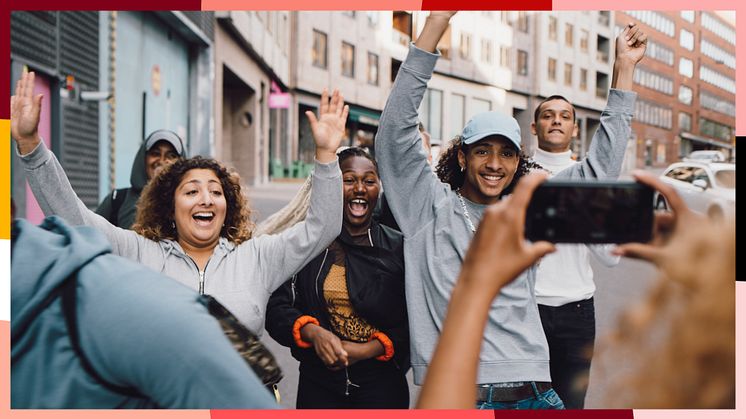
(344, 314)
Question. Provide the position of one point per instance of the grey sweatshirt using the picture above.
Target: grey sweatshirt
(241, 277)
(437, 236)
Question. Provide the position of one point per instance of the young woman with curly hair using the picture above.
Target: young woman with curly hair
(193, 221)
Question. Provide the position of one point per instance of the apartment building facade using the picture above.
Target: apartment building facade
(685, 85)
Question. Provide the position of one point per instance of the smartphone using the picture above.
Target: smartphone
(590, 212)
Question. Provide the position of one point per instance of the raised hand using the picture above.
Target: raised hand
(631, 44)
(435, 26)
(672, 230)
(24, 114)
(329, 128)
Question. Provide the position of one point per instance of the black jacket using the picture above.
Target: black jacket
(375, 284)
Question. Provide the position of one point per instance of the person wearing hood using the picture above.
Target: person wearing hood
(160, 148)
(137, 339)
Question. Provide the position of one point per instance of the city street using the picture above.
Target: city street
(617, 289)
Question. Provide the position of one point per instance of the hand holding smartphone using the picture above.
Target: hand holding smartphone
(590, 212)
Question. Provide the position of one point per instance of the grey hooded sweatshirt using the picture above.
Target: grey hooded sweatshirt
(436, 234)
(137, 329)
(241, 277)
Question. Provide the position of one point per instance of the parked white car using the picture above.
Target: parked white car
(706, 156)
(708, 188)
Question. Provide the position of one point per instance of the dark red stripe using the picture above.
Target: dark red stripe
(107, 5)
(487, 5)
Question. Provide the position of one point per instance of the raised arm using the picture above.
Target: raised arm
(609, 143)
(449, 383)
(284, 254)
(410, 186)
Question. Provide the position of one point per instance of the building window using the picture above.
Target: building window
(319, 51)
(602, 48)
(652, 114)
(568, 74)
(348, 60)
(552, 32)
(522, 67)
(350, 13)
(602, 85)
(685, 95)
(685, 122)
(659, 52)
(686, 67)
(717, 54)
(486, 51)
(552, 69)
(715, 129)
(604, 18)
(465, 46)
(431, 112)
(458, 114)
(653, 80)
(714, 25)
(656, 20)
(583, 79)
(402, 24)
(522, 22)
(686, 39)
(480, 106)
(584, 36)
(568, 34)
(717, 79)
(504, 56)
(372, 69)
(688, 15)
(717, 104)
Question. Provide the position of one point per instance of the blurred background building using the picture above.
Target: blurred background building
(236, 84)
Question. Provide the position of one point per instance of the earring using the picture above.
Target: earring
(462, 168)
(173, 225)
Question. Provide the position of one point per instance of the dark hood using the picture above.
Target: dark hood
(138, 175)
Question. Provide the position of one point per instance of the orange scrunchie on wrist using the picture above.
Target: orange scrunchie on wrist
(388, 346)
(302, 321)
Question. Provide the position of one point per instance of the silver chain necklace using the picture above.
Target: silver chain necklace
(466, 212)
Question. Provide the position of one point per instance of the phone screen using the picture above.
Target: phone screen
(590, 212)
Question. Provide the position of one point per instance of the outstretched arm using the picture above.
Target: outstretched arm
(410, 185)
(609, 142)
(284, 254)
(46, 177)
(449, 383)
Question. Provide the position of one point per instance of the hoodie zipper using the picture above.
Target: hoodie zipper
(201, 286)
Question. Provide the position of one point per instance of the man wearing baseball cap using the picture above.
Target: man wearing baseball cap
(160, 148)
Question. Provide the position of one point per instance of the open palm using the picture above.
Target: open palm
(329, 128)
(24, 113)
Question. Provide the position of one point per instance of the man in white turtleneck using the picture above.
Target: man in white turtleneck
(564, 279)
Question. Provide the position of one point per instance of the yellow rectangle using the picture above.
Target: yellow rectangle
(5, 179)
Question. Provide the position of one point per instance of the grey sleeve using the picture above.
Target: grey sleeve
(411, 187)
(606, 153)
(279, 256)
(56, 196)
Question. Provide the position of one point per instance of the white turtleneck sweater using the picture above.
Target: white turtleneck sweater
(565, 276)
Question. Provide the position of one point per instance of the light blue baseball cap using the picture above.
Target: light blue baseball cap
(486, 124)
